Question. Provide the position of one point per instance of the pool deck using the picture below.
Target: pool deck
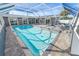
(12, 48)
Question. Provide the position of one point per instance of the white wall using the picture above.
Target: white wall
(75, 45)
(75, 42)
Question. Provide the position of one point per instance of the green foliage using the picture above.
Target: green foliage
(66, 18)
(64, 13)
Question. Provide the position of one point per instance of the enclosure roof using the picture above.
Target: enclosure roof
(43, 9)
(72, 7)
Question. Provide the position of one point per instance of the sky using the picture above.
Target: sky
(37, 9)
(42, 9)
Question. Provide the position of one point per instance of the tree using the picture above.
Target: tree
(64, 13)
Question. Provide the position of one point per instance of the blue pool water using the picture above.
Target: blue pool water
(37, 39)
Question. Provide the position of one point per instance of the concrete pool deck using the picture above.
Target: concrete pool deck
(13, 49)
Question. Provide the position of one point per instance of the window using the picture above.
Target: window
(13, 21)
(31, 20)
(42, 20)
(47, 21)
(24, 21)
(20, 20)
(37, 20)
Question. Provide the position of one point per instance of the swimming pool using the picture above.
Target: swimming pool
(37, 39)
